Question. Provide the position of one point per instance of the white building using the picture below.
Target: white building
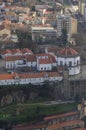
(26, 78)
(69, 59)
(84, 15)
(42, 62)
(66, 58)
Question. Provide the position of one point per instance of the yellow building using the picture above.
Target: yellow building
(74, 26)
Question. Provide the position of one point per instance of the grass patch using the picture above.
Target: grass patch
(21, 113)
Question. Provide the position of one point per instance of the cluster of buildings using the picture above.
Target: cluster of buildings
(65, 57)
(45, 23)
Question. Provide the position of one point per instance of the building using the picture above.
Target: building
(81, 6)
(69, 59)
(84, 15)
(65, 21)
(29, 78)
(43, 33)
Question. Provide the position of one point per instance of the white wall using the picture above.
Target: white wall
(29, 80)
(45, 67)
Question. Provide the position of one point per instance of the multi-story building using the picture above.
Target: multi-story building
(43, 33)
(81, 6)
(65, 21)
(84, 15)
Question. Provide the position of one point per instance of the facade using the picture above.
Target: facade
(65, 21)
(29, 78)
(43, 33)
(81, 6)
(40, 62)
(84, 15)
(69, 60)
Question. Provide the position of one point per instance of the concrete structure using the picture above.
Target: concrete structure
(81, 6)
(65, 21)
(84, 15)
(43, 33)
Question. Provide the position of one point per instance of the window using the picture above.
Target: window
(78, 62)
(61, 62)
(70, 63)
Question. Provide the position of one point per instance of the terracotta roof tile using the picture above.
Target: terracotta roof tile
(14, 58)
(26, 50)
(6, 52)
(68, 123)
(80, 129)
(29, 127)
(45, 61)
(28, 75)
(60, 115)
(14, 51)
(68, 52)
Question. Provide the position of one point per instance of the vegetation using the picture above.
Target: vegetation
(20, 113)
(25, 40)
(64, 36)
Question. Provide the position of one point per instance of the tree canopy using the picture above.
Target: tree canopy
(64, 37)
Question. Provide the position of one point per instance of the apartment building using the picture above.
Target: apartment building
(81, 6)
(65, 21)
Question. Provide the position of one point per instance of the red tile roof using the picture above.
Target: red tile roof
(60, 115)
(29, 127)
(80, 129)
(31, 58)
(67, 52)
(14, 58)
(6, 52)
(68, 123)
(26, 50)
(49, 56)
(14, 51)
(45, 61)
(28, 75)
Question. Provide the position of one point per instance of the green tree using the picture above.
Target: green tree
(64, 37)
